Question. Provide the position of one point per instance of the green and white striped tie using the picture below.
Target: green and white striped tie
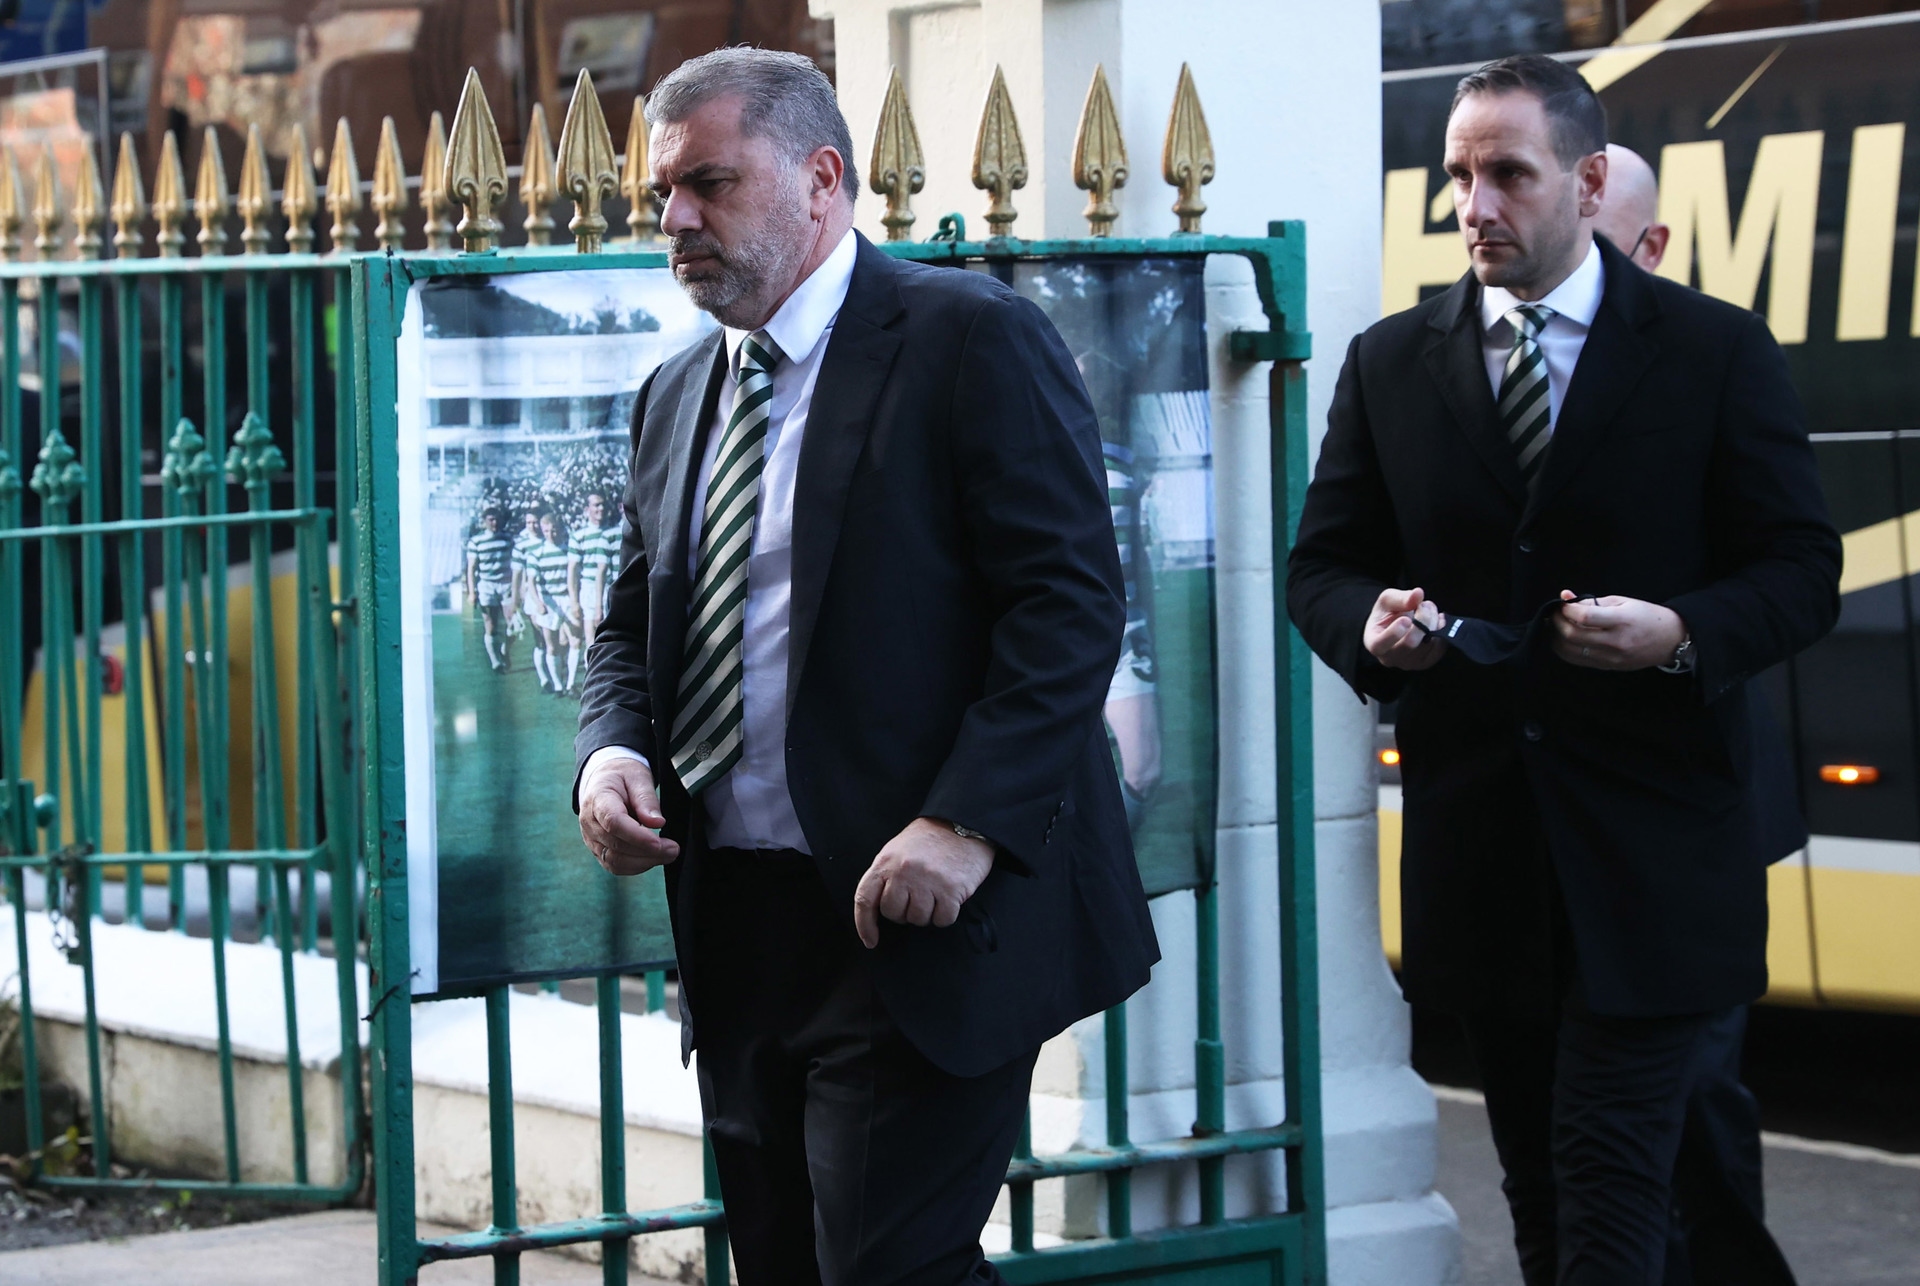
(1526, 403)
(706, 726)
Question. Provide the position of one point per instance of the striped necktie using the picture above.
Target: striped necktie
(1526, 405)
(706, 725)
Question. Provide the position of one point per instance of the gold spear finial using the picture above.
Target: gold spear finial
(129, 201)
(211, 201)
(643, 221)
(170, 198)
(433, 187)
(999, 157)
(537, 188)
(587, 176)
(343, 190)
(89, 204)
(255, 202)
(1187, 162)
(1099, 156)
(47, 214)
(299, 202)
(476, 167)
(13, 207)
(898, 168)
(390, 187)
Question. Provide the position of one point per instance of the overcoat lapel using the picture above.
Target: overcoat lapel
(1459, 368)
(691, 421)
(1612, 362)
(859, 356)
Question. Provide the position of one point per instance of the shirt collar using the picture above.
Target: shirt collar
(810, 310)
(1577, 298)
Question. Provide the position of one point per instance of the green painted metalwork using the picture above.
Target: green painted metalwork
(1285, 1247)
(98, 386)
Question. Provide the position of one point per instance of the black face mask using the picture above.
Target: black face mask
(1485, 643)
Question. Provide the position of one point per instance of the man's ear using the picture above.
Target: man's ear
(1592, 177)
(1653, 246)
(826, 171)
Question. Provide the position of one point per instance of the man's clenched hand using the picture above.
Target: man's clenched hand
(1393, 639)
(620, 816)
(923, 876)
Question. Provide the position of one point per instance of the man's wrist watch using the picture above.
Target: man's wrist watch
(1682, 659)
(967, 832)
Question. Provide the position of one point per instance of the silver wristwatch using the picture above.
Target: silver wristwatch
(1682, 662)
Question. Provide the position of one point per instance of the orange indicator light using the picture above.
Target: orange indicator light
(1849, 774)
(1389, 756)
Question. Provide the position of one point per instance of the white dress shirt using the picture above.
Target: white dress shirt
(750, 806)
(1574, 302)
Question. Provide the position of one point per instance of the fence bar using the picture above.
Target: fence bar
(506, 1220)
(20, 819)
(306, 807)
(656, 990)
(1209, 1060)
(93, 389)
(706, 1214)
(613, 1128)
(1020, 1194)
(55, 641)
(133, 573)
(269, 799)
(173, 750)
(718, 1255)
(213, 748)
(83, 886)
(296, 1090)
(13, 471)
(1300, 949)
(197, 857)
(1059, 1165)
(219, 912)
(1119, 1087)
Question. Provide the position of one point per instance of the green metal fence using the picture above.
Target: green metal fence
(142, 522)
(124, 507)
(1287, 1246)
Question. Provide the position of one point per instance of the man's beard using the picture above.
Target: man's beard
(736, 281)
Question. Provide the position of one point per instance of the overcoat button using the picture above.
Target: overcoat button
(1532, 731)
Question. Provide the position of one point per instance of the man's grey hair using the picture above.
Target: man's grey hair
(786, 100)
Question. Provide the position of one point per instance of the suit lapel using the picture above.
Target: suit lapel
(691, 420)
(1612, 362)
(1458, 365)
(859, 355)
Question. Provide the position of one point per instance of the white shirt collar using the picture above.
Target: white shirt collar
(810, 310)
(1577, 298)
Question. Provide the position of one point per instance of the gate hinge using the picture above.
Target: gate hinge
(1270, 345)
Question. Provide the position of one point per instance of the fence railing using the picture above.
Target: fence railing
(181, 484)
(217, 493)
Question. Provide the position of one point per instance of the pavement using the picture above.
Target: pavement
(1845, 1215)
(336, 1246)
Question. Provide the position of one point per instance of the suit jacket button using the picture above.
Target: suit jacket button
(1532, 730)
(1526, 545)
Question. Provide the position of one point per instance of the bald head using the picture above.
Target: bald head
(1630, 207)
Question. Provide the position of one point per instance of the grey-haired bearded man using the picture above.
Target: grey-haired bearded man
(848, 691)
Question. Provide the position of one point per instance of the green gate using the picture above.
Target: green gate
(137, 795)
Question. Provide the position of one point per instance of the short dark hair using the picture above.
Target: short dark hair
(786, 98)
(1576, 118)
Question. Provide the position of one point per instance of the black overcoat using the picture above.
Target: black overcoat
(956, 618)
(1644, 807)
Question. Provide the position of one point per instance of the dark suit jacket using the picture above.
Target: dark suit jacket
(1679, 473)
(956, 618)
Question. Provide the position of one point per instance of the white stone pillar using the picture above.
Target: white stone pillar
(1291, 90)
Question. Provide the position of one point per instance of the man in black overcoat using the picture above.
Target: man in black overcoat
(848, 690)
(1564, 513)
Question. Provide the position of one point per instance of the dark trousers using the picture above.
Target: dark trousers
(845, 1157)
(1719, 1235)
(1587, 1114)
